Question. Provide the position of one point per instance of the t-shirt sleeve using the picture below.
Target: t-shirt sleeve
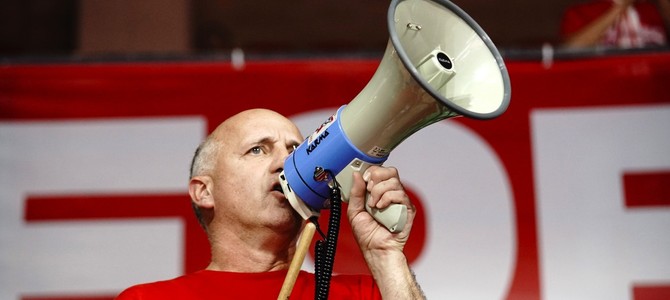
(149, 291)
(132, 293)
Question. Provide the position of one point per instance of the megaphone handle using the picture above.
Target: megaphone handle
(392, 217)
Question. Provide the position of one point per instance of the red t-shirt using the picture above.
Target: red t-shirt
(228, 285)
(651, 29)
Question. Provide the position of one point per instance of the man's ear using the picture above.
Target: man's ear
(200, 188)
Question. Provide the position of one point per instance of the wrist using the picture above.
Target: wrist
(385, 256)
(385, 264)
(393, 275)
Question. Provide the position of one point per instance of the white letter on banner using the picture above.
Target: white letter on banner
(591, 245)
(92, 157)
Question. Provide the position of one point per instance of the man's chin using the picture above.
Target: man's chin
(294, 214)
(289, 224)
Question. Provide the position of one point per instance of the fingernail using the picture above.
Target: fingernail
(366, 175)
(369, 202)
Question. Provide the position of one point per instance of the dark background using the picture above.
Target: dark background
(95, 27)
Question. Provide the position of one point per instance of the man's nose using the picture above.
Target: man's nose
(279, 158)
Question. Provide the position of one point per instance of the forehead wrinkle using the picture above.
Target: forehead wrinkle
(261, 126)
(260, 140)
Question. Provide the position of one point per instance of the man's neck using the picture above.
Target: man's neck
(253, 251)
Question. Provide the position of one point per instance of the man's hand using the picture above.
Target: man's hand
(384, 188)
(382, 249)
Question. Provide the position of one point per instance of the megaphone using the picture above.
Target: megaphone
(438, 64)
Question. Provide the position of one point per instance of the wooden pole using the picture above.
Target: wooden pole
(298, 258)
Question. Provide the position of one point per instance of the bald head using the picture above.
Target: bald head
(236, 126)
(250, 119)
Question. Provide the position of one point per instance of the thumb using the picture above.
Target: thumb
(357, 193)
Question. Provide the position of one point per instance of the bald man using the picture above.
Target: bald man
(252, 228)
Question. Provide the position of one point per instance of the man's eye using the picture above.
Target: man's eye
(256, 150)
(292, 148)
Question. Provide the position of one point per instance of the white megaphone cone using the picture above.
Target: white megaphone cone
(438, 64)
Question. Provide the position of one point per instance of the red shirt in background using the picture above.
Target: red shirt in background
(643, 26)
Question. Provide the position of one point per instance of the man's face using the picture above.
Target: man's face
(245, 179)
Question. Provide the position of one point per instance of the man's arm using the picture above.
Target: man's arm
(592, 33)
(664, 10)
(383, 250)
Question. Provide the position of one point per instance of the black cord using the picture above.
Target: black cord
(325, 248)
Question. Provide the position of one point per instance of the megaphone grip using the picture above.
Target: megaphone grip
(392, 217)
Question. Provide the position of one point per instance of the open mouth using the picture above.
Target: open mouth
(277, 187)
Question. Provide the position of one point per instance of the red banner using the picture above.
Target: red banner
(567, 127)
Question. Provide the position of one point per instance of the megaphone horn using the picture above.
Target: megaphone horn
(438, 64)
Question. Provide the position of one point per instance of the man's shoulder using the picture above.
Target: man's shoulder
(158, 289)
(204, 284)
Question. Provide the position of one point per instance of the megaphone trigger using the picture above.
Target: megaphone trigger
(392, 217)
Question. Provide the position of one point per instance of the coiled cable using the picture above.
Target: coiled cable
(325, 248)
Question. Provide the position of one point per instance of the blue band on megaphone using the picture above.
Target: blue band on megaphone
(329, 149)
